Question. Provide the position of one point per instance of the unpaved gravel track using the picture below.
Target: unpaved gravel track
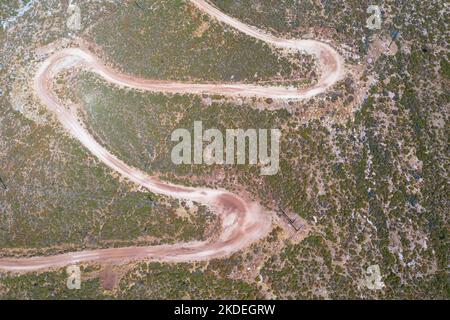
(243, 221)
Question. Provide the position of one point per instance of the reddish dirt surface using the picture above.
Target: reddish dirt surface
(243, 221)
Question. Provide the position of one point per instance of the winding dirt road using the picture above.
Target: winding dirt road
(243, 221)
